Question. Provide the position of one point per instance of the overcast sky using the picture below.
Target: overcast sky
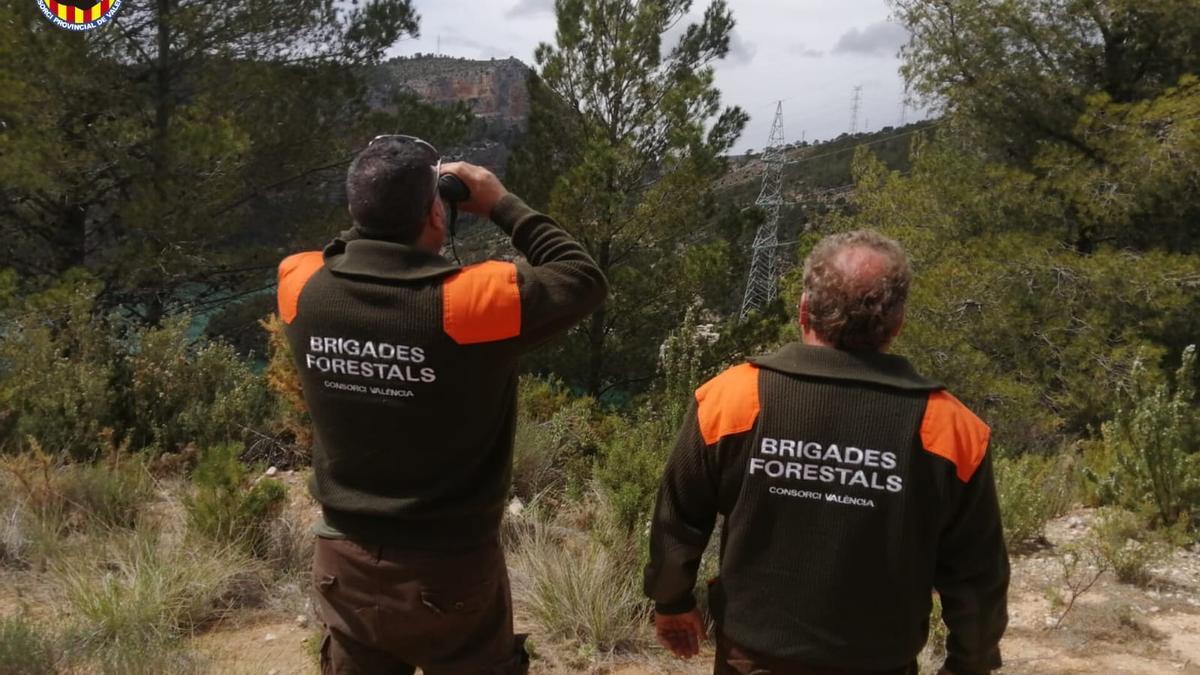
(811, 53)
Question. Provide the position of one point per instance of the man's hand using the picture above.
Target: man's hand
(485, 188)
(680, 633)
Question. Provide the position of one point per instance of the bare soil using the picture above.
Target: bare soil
(1113, 628)
(260, 644)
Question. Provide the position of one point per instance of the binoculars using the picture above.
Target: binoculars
(454, 191)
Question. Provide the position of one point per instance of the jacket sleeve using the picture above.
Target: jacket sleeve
(560, 284)
(972, 577)
(683, 520)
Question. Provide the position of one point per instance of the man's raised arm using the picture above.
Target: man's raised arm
(560, 284)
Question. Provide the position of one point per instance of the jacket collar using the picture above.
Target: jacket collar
(825, 362)
(353, 255)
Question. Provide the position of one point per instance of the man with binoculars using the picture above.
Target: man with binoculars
(408, 364)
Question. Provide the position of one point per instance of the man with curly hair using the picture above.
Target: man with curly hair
(851, 487)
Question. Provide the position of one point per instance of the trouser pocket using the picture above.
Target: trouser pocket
(345, 593)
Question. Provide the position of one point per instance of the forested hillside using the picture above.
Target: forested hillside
(826, 165)
(154, 442)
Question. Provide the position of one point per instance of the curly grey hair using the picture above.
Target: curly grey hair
(847, 308)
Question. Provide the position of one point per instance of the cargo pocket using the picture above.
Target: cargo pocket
(469, 600)
(324, 581)
(346, 610)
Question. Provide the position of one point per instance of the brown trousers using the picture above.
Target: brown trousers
(389, 611)
(734, 660)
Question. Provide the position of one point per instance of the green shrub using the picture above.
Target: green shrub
(70, 382)
(56, 375)
(540, 398)
(25, 649)
(1032, 489)
(181, 392)
(225, 506)
(1121, 539)
(552, 452)
(1155, 440)
(1097, 462)
(630, 466)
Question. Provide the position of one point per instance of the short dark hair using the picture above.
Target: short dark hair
(856, 312)
(391, 187)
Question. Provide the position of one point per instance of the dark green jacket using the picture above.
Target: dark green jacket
(409, 369)
(851, 488)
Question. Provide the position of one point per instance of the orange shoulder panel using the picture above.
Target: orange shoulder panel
(951, 430)
(728, 404)
(294, 273)
(482, 303)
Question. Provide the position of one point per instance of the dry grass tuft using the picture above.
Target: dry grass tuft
(579, 588)
(140, 595)
(46, 503)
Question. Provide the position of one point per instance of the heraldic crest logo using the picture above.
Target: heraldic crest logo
(79, 15)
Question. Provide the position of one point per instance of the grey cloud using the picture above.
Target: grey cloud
(806, 52)
(878, 39)
(530, 8)
(741, 52)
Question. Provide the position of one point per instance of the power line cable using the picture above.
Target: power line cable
(863, 145)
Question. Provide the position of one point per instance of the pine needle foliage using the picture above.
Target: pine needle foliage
(226, 507)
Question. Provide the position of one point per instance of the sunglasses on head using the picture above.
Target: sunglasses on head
(424, 145)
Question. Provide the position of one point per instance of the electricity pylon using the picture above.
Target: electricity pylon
(762, 284)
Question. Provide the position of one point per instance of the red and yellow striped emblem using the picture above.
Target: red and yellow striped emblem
(76, 15)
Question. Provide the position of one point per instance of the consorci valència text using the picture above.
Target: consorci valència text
(840, 465)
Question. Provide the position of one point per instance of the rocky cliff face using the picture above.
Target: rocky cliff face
(496, 91)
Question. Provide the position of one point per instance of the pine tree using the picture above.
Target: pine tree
(179, 150)
(646, 133)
